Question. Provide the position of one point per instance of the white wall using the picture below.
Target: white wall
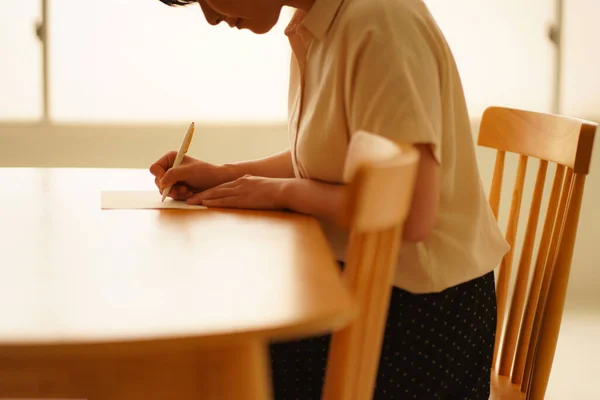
(502, 51)
(132, 146)
(581, 59)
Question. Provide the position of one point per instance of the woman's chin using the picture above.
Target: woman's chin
(259, 27)
(259, 30)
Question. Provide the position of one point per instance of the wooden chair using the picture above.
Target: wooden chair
(382, 176)
(528, 328)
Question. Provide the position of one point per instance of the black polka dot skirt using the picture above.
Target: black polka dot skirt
(436, 346)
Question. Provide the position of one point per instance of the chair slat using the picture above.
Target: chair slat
(344, 351)
(511, 235)
(536, 280)
(518, 297)
(378, 302)
(553, 310)
(557, 232)
(496, 190)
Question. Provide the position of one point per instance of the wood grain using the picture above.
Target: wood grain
(76, 275)
(189, 375)
(560, 139)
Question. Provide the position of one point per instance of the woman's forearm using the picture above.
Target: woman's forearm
(322, 200)
(276, 166)
(330, 202)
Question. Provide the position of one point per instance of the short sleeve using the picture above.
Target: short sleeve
(394, 88)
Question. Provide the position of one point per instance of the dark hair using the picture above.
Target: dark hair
(178, 2)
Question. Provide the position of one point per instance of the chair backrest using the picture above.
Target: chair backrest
(381, 174)
(525, 347)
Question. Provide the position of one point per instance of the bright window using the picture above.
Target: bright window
(115, 60)
(139, 60)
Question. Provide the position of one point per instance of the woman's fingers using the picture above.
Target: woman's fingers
(224, 202)
(174, 175)
(177, 192)
(225, 189)
(157, 170)
(161, 165)
(214, 193)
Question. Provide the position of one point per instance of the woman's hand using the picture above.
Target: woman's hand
(250, 192)
(191, 177)
(322, 200)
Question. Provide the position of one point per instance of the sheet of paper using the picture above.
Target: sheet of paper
(140, 200)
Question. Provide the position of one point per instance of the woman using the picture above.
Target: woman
(382, 66)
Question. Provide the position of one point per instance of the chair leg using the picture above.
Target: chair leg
(229, 373)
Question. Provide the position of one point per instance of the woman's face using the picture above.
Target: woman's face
(259, 16)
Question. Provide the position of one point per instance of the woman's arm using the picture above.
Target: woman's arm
(322, 200)
(330, 202)
(325, 200)
(426, 197)
(276, 166)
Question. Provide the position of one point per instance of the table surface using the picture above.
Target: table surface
(74, 275)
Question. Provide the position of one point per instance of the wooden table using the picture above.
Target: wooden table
(149, 304)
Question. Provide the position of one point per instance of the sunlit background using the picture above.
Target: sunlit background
(123, 79)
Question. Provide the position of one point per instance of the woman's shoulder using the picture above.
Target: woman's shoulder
(382, 11)
(401, 18)
(389, 25)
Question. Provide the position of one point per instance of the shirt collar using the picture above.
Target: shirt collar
(318, 20)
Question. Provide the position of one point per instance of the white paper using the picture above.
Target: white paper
(141, 200)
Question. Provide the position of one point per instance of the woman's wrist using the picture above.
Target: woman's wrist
(229, 172)
(285, 195)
